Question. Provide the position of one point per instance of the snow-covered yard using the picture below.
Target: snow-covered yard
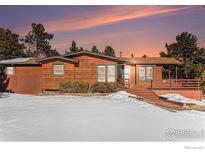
(99, 118)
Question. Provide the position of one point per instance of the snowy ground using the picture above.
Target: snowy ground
(101, 118)
(182, 99)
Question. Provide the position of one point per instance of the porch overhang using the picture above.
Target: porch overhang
(154, 61)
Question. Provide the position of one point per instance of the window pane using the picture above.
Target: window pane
(127, 72)
(58, 69)
(101, 73)
(142, 73)
(149, 73)
(10, 70)
(111, 73)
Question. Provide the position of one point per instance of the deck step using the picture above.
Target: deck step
(152, 97)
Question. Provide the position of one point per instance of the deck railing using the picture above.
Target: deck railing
(176, 84)
(125, 82)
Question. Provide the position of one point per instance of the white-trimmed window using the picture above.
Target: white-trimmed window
(58, 69)
(101, 73)
(145, 73)
(106, 73)
(111, 73)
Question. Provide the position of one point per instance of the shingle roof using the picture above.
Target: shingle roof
(58, 57)
(95, 54)
(153, 60)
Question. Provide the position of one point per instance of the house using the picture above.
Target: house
(32, 76)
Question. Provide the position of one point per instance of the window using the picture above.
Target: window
(106, 73)
(146, 73)
(111, 73)
(58, 69)
(101, 73)
(10, 71)
(127, 72)
(149, 73)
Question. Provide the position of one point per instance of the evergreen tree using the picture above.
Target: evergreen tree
(109, 51)
(74, 47)
(52, 52)
(95, 49)
(81, 49)
(10, 46)
(37, 41)
(185, 49)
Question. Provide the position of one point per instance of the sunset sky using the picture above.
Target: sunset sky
(138, 29)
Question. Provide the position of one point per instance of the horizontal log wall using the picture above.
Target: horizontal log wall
(50, 81)
(26, 80)
(157, 76)
(86, 70)
(193, 94)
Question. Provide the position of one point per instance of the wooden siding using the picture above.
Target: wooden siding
(193, 94)
(157, 76)
(86, 70)
(50, 81)
(132, 75)
(26, 80)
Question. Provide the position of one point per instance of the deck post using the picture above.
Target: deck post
(169, 71)
(176, 73)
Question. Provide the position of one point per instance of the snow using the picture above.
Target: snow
(16, 60)
(120, 95)
(182, 99)
(116, 117)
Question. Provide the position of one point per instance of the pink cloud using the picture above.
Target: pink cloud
(106, 16)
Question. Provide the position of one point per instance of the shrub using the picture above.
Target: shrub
(203, 86)
(105, 87)
(74, 87)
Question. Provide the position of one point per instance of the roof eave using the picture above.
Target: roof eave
(59, 57)
(98, 55)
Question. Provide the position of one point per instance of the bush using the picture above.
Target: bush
(104, 87)
(74, 87)
(203, 86)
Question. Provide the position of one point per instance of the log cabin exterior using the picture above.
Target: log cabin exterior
(32, 76)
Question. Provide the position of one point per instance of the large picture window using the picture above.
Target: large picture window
(58, 69)
(106, 73)
(146, 73)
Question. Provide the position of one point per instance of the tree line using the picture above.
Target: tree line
(74, 48)
(36, 43)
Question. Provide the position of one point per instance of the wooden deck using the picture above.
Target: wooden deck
(184, 84)
(151, 97)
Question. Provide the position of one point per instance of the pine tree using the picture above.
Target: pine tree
(109, 51)
(37, 41)
(185, 49)
(74, 47)
(10, 46)
(95, 49)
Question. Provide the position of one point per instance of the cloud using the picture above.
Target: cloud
(106, 16)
